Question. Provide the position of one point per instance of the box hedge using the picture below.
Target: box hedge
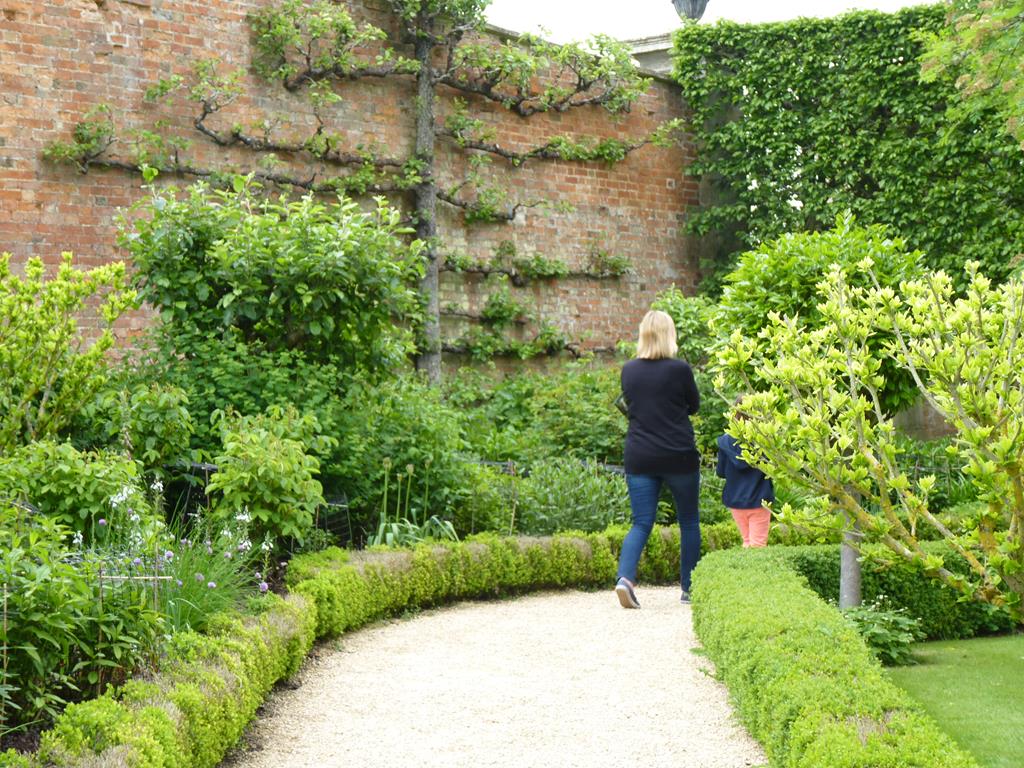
(785, 656)
(802, 680)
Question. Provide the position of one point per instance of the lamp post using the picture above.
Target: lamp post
(690, 9)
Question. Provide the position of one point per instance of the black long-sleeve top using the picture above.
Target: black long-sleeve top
(660, 395)
(746, 487)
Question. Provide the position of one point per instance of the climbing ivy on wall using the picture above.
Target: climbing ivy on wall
(797, 122)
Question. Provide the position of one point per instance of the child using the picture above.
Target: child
(746, 490)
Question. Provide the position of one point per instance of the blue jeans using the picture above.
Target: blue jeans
(643, 499)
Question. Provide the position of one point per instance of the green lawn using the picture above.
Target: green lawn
(974, 689)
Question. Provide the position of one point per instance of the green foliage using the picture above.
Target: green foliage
(531, 416)
(797, 122)
(75, 488)
(802, 680)
(211, 683)
(324, 279)
(888, 633)
(70, 625)
(47, 369)
(821, 423)
(151, 422)
(399, 423)
(569, 495)
(980, 49)
(301, 38)
(691, 315)
(218, 375)
(90, 139)
(781, 279)
(265, 472)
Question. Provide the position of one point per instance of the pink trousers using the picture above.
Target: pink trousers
(753, 525)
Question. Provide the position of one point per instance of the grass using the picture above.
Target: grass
(974, 690)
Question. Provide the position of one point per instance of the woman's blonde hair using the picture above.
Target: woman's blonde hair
(657, 336)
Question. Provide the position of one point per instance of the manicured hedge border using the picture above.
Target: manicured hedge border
(209, 686)
(196, 707)
(802, 680)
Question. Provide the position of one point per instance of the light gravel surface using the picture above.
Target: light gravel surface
(554, 680)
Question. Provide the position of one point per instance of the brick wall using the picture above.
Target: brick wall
(61, 58)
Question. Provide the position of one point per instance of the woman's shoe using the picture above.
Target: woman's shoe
(627, 597)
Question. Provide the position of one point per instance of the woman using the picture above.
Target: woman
(661, 394)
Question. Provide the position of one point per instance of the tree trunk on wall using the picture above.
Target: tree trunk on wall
(426, 211)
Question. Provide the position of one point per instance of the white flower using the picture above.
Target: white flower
(157, 486)
(242, 517)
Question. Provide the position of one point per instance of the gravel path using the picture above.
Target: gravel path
(554, 680)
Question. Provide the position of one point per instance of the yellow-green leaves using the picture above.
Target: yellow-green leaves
(48, 369)
(817, 416)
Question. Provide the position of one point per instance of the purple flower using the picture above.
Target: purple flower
(178, 581)
(168, 555)
(102, 521)
(199, 577)
(211, 584)
(259, 575)
(137, 561)
(227, 555)
(264, 587)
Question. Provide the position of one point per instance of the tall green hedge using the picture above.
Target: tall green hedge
(796, 122)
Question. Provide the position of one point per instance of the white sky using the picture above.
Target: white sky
(624, 19)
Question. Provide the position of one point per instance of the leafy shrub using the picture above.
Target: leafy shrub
(691, 315)
(47, 370)
(570, 495)
(77, 488)
(573, 414)
(151, 422)
(888, 633)
(323, 278)
(72, 624)
(782, 277)
(399, 423)
(264, 471)
(941, 613)
(533, 416)
(218, 375)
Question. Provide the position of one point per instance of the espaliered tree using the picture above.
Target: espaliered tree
(313, 48)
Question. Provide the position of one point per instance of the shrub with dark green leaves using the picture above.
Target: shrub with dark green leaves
(266, 472)
(72, 624)
(326, 279)
(782, 276)
(570, 495)
(690, 315)
(76, 488)
(151, 422)
(939, 609)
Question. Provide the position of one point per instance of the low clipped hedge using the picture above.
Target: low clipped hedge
(209, 686)
(801, 678)
(196, 707)
(941, 611)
